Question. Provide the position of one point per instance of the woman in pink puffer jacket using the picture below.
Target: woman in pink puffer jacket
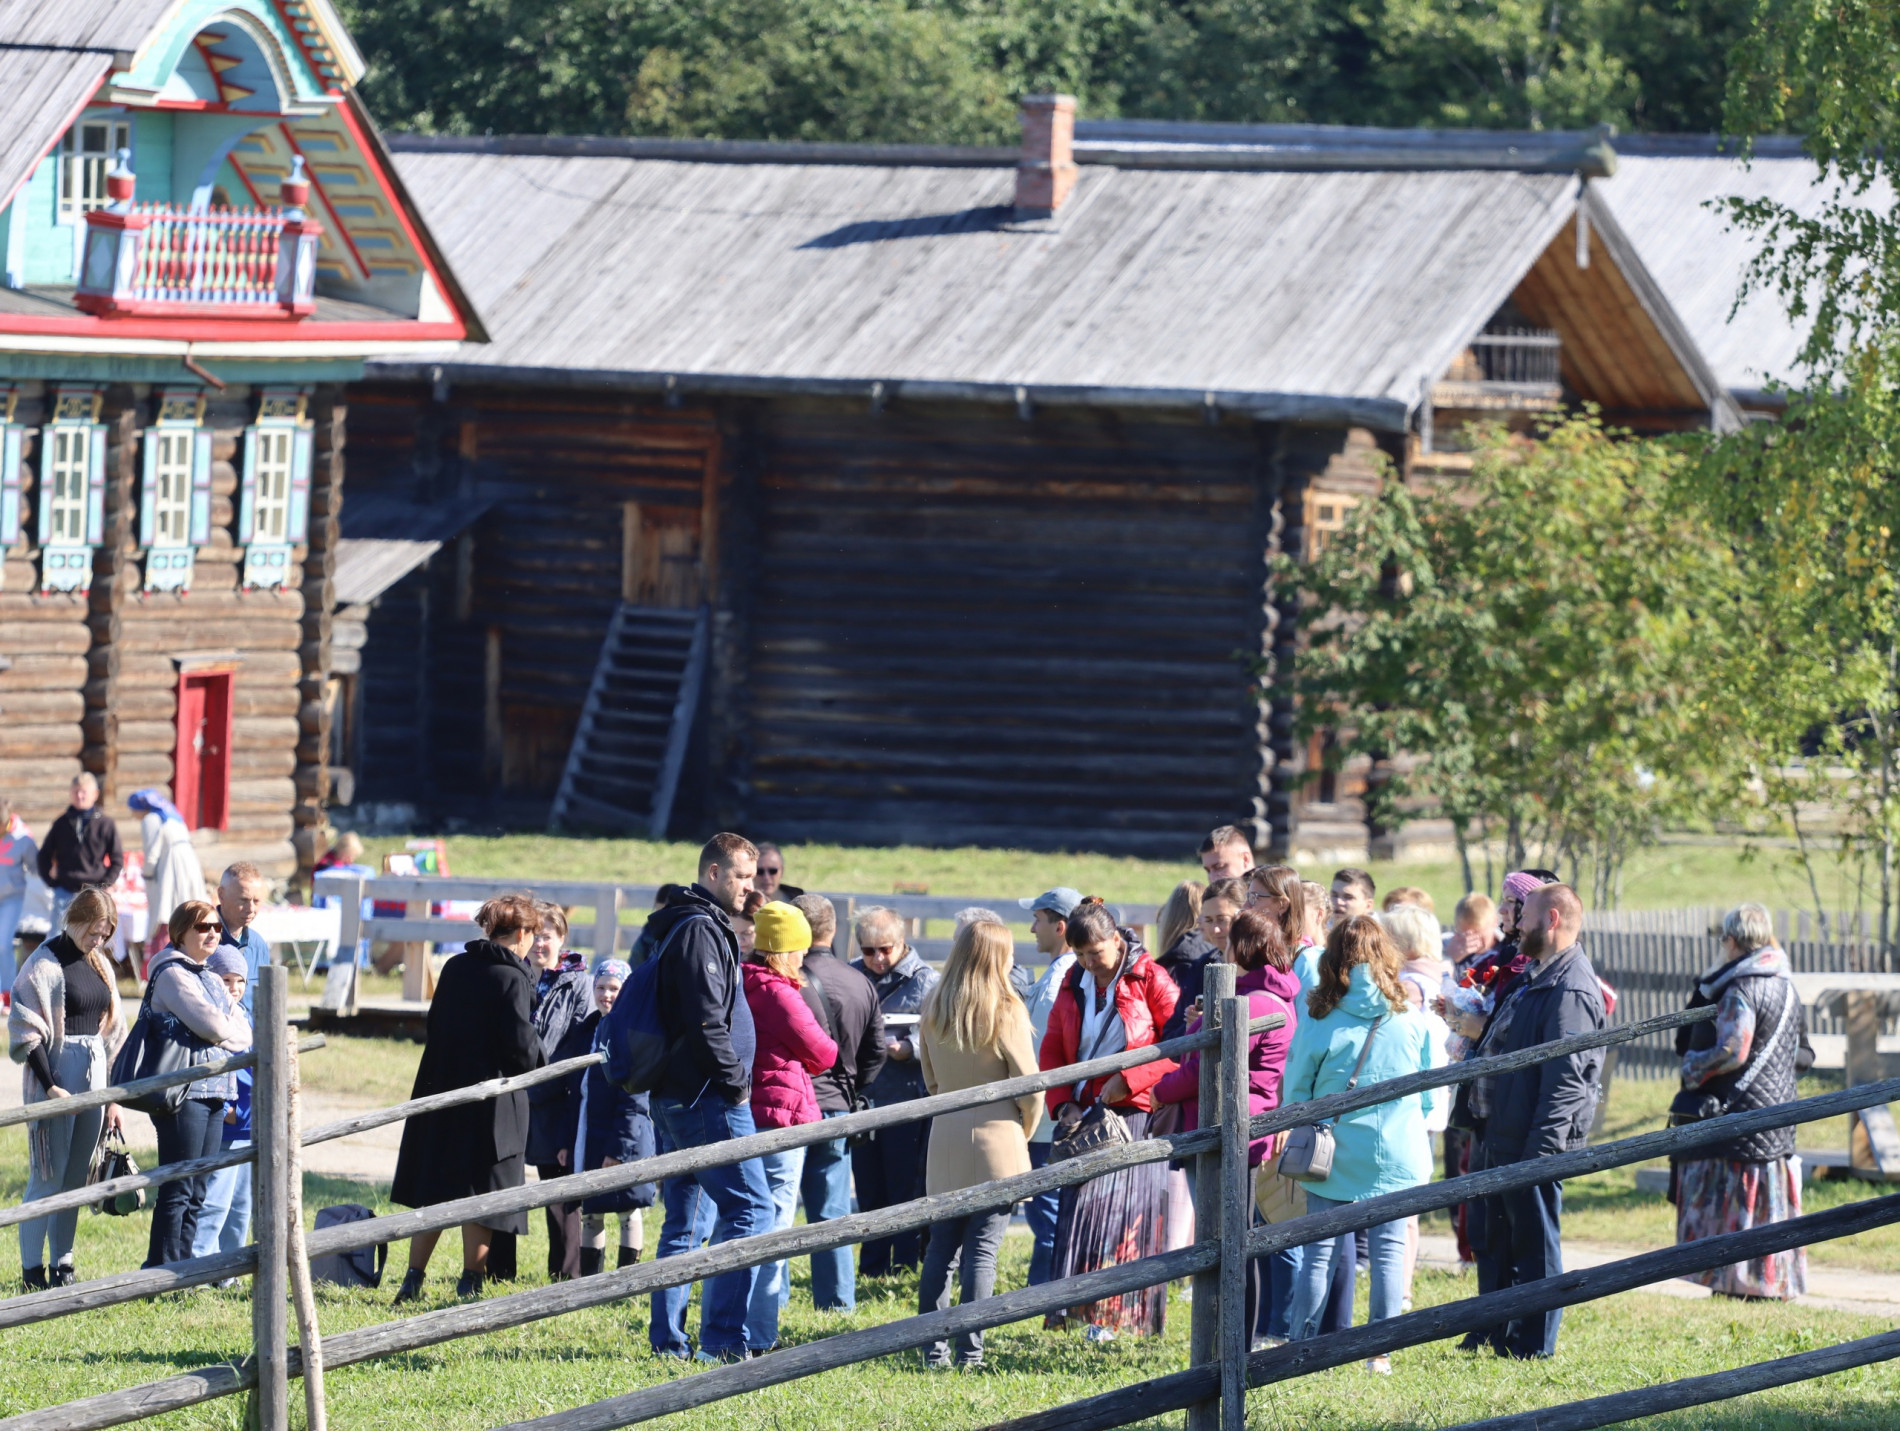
(792, 1046)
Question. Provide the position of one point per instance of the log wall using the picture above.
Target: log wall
(91, 680)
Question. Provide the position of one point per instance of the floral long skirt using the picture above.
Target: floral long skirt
(1110, 1220)
(1716, 1195)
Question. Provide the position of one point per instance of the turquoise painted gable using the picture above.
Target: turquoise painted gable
(273, 66)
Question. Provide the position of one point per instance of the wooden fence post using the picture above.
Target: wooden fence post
(270, 1403)
(303, 1294)
(1204, 1315)
(607, 922)
(1236, 1329)
(417, 985)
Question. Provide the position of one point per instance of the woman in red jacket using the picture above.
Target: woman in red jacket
(1115, 998)
(791, 1048)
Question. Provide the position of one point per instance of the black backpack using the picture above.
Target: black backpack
(359, 1267)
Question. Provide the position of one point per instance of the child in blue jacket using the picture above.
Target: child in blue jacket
(615, 1128)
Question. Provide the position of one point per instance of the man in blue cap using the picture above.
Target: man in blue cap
(1049, 926)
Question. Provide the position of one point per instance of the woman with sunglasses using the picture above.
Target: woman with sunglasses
(182, 988)
(65, 1025)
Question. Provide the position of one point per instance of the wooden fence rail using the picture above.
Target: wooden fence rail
(1220, 1369)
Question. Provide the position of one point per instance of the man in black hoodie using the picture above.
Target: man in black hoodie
(854, 1020)
(705, 1096)
(82, 848)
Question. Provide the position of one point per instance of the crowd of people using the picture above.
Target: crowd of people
(769, 1025)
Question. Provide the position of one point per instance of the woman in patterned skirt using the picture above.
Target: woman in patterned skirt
(1746, 1058)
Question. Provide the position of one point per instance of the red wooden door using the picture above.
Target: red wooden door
(201, 779)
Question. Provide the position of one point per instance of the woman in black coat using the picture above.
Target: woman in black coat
(480, 1027)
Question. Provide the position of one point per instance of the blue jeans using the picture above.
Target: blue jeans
(1386, 1243)
(826, 1187)
(195, 1131)
(774, 1287)
(743, 1209)
(61, 899)
(1040, 1213)
(224, 1222)
(10, 908)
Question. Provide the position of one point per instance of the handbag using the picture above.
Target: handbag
(1277, 1197)
(1308, 1154)
(1100, 1127)
(1690, 1106)
(156, 1044)
(112, 1160)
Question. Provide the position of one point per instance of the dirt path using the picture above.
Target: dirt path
(1838, 1289)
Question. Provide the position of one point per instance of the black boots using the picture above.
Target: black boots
(33, 1279)
(629, 1256)
(411, 1290)
(591, 1260)
(470, 1284)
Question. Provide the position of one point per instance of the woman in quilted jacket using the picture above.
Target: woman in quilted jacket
(791, 1048)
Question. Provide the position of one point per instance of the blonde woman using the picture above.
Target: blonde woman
(65, 1025)
(974, 1030)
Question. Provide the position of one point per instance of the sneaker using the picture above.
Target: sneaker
(725, 1358)
(1261, 1344)
(64, 1276)
(1379, 1365)
(1098, 1335)
(411, 1289)
(1405, 1305)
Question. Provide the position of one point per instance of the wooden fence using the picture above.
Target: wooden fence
(1212, 1388)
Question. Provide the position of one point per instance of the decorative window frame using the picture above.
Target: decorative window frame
(170, 557)
(80, 169)
(66, 564)
(283, 425)
(12, 480)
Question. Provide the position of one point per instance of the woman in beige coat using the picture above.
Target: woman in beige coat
(974, 1030)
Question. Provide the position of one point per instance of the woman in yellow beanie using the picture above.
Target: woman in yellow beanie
(792, 1046)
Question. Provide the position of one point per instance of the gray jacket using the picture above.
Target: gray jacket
(900, 990)
(1548, 1107)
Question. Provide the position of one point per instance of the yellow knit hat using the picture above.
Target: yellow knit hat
(781, 929)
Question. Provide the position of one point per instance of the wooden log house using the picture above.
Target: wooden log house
(201, 240)
(874, 493)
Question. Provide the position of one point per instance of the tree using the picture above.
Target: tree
(1539, 642)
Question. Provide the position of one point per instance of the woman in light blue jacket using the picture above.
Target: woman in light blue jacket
(1378, 1150)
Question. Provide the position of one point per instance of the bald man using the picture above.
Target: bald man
(1536, 1112)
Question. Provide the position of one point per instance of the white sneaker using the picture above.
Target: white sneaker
(1267, 1343)
(1098, 1335)
(1379, 1365)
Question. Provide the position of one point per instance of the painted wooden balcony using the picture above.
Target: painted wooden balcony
(1505, 370)
(163, 259)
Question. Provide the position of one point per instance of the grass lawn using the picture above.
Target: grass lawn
(1629, 1341)
(1667, 876)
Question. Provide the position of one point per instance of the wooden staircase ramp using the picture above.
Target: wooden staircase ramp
(623, 769)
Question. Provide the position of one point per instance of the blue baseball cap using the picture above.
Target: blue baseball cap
(1060, 901)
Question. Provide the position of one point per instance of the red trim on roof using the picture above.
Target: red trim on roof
(215, 330)
(368, 151)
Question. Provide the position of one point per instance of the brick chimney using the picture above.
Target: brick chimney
(1046, 171)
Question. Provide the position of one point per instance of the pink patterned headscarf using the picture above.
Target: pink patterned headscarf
(1519, 884)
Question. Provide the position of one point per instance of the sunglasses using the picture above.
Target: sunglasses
(770, 870)
(877, 948)
(209, 928)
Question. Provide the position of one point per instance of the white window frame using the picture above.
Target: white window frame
(82, 171)
(276, 458)
(69, 470)
(171, 497)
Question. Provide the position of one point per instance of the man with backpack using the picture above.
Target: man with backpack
(703, 1095)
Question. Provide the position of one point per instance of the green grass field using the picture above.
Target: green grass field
(1625, 1342)
(1668, 876)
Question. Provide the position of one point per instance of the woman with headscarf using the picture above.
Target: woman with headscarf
(172, 871)
(1746, 1059)
(1115, 998)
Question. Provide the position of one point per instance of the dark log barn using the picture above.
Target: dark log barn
(971, 459)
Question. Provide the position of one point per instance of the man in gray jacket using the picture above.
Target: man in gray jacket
(1049, 925)
(1536, 1112)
